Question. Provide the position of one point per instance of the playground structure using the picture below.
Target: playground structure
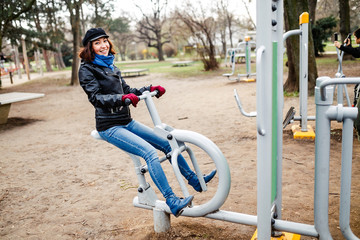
(233, 53)
(303, 130)
(180, 141)
(269, 58)
(340, 74)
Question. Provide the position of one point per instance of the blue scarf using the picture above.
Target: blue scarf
(105, 61)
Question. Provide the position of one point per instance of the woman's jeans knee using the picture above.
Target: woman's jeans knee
(141, 140)
(135, 138)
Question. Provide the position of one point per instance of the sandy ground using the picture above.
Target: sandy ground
(57, 182)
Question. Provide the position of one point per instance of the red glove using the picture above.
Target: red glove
(133, 98)
(160, 90)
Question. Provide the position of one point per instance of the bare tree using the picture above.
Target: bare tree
(151, 27)
(326, 8)
(341, 9)
(203, 28)
(122, 36)
(180, 35)
(38, 8)
(225, 23)
(221, 23)
(250, 20)
(354, 13)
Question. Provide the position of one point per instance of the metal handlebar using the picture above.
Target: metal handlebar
(261, 120)
(127, 101)
(333, 81)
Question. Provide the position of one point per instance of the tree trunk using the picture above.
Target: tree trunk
(293, 9)
(161, 54)
(60, 57)
(76, 61)
(312, 11)
(74, 9)
(160, 49)
(47, 61)
(344, 8)
(230, 32)
(223, 43)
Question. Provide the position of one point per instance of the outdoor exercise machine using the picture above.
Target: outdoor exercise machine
(269, 149)
(180, 142)
(233, 53)
(269, 97)
(303, 130)
(181, 139)
(340, 74)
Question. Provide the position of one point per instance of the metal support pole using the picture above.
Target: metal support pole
(247, 57)
(161, 220)
(322, 158)
(345, 190)
(303, 73)
(264, 100)
(278, 67)
(152, 109)
(324, 114)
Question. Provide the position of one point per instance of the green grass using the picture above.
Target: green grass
(327, 62)
(291, 94)
(329, 47)
(167, 68)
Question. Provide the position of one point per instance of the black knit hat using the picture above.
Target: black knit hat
(93, 34)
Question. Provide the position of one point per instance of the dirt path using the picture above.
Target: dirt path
(59, 183)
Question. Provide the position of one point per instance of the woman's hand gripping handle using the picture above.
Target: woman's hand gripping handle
(133, 99)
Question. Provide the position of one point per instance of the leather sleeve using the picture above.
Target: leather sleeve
(355, 52)
(93, 89)
(136, 91)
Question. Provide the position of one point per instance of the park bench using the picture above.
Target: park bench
(134, 72)
(182, 63)
(6, 99)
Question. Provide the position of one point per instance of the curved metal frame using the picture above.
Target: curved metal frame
(178, 141)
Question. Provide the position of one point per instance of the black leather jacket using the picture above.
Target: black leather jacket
(105, 89)
(355, 52)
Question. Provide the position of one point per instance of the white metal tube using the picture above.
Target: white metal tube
(291, 33)
(345, 190)
(322, 159)
(222, 167)
(303, 75)
(264, 20)
(151, 107)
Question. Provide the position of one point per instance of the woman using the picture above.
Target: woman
(107, 91)
(355, 52)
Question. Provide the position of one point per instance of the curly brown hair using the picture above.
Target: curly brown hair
(87, 53)
(357, 33)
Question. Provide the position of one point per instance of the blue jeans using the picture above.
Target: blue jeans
(141, 140)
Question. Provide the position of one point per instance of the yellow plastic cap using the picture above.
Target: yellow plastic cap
(247, 38)
(304, 18)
